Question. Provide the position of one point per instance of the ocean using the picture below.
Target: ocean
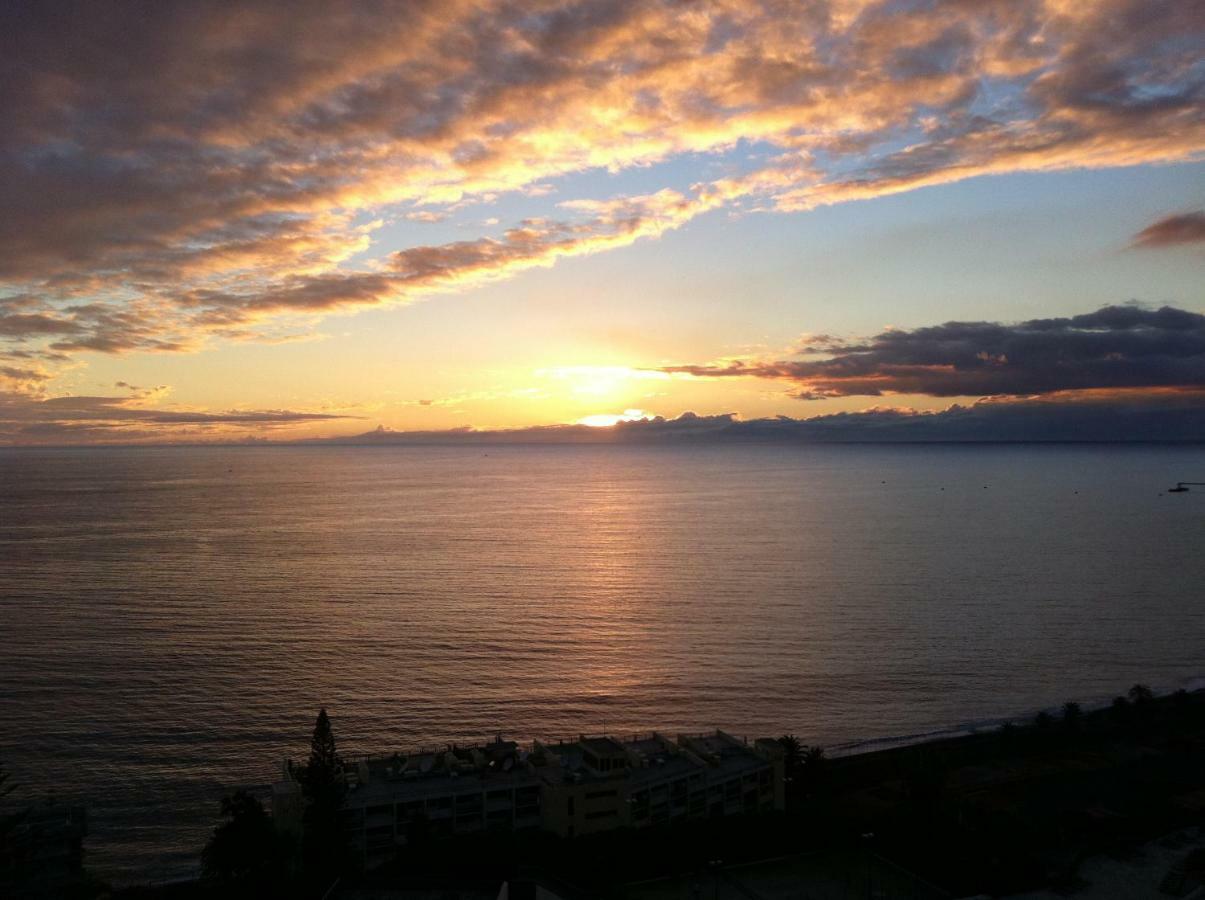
(173, 618)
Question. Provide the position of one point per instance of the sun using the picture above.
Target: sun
(605, 420)
(600, 381)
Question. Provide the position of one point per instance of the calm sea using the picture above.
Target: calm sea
(173, 618)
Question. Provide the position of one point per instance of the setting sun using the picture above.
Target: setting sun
(604, 420)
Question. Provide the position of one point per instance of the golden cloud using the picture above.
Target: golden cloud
(203, 168)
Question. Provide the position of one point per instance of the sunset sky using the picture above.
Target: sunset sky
(312, 219)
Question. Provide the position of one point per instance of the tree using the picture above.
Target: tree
(1008, 734)
(792, 760)
(4, 776)
(792, 750)
(924, 779)
(1141, 696)
(324, 786)
(246, 853)
(1120, 709)
(1072, 715)
(324, 759)
(8, 820)
(812, 767)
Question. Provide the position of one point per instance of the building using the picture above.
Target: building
(594, 784)
(569, 788)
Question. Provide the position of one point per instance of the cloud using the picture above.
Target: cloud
(426, 269)
(27, 418)
(1184, 228)
(19, 374)
(427, 216)
(1105, 417)
(1115, 347)
(194, 170)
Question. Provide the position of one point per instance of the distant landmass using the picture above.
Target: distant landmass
(1175, 417)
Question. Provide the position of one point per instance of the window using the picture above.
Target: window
(601, 814)
(595, 795)
(640, 805)
(678, 791)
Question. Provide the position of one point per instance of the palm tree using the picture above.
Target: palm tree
(792, 754)
(811, 770)
(792, 765)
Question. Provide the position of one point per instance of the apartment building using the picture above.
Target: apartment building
(570, 788)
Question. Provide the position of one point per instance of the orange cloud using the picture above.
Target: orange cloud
(192, 169)
(27, 418)
(1173, 230)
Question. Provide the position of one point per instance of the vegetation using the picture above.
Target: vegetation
(996, 812)
(27, 870)
(1016, 809)
(803, 769)
(247, 855)
(8, 823)
(1073, 714)
(324, 785)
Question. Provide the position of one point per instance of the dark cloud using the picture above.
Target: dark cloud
(1166, 416)
(28, 325)
(1184, 228)
(1114, 347)
(25, 418)
(1177, 417)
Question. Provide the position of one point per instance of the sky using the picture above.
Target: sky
(301, 220)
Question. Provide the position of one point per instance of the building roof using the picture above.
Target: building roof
(502, 765)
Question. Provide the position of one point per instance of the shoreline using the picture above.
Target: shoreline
(1192, 684)
(862, 752)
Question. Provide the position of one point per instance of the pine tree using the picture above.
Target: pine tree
(324, 786)
(324, 771)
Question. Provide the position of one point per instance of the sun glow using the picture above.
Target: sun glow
(599, 381)
(605, 420)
